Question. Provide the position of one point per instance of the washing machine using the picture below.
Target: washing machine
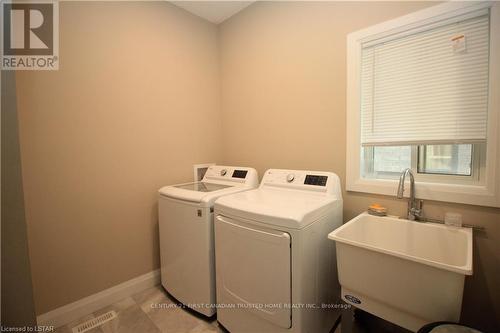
(275, 268)
(187, 235)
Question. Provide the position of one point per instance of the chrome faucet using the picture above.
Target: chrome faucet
(414, 212)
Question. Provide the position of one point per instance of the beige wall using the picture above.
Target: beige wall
(18, 307)
(134, 105)
(283, 69)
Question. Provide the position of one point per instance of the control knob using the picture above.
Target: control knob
(223, 172)
(290, 177)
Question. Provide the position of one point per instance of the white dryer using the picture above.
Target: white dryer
(275, 268)
(187, 236)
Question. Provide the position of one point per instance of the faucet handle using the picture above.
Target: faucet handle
(420, 204)
(417, 211)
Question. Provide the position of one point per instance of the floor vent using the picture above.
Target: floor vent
(94, 322)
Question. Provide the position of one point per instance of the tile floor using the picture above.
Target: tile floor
(137, 315)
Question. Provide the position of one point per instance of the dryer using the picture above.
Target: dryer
(275, 268)
(187, 236)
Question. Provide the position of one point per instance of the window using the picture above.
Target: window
(446, 159)
(419, 97)
(386, 162)
(461, 163)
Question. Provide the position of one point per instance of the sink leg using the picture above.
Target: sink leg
(347, 321)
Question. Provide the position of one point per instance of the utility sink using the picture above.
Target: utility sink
(409, 273)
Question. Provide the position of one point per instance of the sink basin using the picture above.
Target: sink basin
(409, 273)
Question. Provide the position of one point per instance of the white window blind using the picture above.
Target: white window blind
(427, 85)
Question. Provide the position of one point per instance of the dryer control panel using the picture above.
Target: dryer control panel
(318, 181)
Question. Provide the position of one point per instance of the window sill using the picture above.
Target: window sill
(467, 194)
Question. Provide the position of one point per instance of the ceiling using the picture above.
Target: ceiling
(213, 11)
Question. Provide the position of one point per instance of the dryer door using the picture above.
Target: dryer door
(254, 270)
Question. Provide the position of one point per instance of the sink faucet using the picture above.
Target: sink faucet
(414, 212)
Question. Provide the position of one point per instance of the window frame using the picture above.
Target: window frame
(484, 191)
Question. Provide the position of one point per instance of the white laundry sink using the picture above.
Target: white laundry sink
(409, 273)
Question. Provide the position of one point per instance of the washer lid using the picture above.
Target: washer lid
(201, 193)
(202, 186)
(280, 207)
(218, 180)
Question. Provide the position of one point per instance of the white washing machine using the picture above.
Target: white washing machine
(187, 235)
(275, 268)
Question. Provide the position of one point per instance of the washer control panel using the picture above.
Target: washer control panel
(239, 173)
(231, 174)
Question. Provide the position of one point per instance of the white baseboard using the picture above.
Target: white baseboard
(73, 311)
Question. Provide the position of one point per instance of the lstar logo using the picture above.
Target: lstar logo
(30, 35)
